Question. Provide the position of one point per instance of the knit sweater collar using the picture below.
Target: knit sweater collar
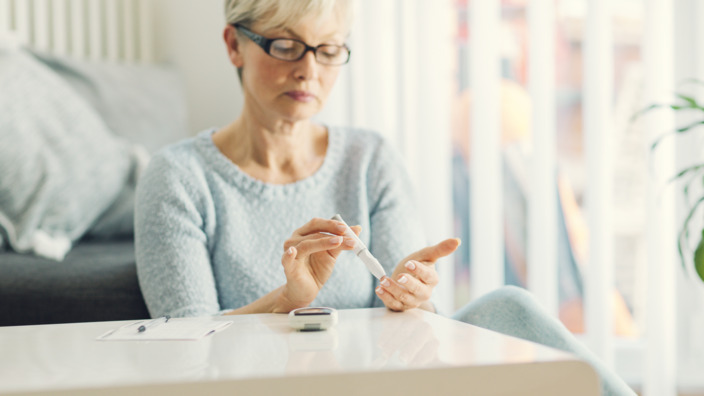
(219, 163)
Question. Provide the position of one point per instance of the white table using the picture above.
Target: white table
(369, 352)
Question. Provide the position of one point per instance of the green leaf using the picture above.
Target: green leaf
(691, 102)
(659, 139)
(647, 109)
(690, 126)
(699, 258)
(684, 231)
(678, 130)
(688, 184)
(694, 168)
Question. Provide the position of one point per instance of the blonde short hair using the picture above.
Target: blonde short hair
(274, 14)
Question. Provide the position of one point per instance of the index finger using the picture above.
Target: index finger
(317, 225)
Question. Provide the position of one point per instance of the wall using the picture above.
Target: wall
(189, 36)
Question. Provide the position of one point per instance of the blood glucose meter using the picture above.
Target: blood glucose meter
(312, 318)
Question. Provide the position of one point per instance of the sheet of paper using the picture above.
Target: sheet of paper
(174, 329)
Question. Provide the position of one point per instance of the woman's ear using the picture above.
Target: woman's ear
(234, 49)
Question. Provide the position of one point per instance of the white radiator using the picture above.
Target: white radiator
(110, 30)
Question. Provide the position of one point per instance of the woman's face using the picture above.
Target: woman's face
(284, 90)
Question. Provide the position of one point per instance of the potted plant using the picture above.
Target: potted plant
(691, 174)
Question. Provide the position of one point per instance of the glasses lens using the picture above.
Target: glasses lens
(285, 49)
(332, 54)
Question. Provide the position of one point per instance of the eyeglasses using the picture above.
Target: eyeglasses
(292, 50)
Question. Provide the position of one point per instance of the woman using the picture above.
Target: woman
(237, 220)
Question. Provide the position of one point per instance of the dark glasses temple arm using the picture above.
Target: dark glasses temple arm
(259, 40)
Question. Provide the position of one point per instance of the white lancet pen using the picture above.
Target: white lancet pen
(362, 252)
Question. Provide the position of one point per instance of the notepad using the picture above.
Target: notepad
(174, 329)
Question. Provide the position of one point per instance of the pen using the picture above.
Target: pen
(362, 252)
(152, 323)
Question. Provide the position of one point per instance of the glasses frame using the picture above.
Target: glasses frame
(265, 43)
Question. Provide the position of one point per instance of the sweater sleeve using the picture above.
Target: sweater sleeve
(396, 229)
(173, 260)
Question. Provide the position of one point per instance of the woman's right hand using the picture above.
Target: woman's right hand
(309, 258)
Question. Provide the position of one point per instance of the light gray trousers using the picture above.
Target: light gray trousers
(514, 311)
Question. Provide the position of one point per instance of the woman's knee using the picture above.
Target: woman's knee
(520, 298)
(509, 297)
(516, 312)
(506, 305)
(510, 292)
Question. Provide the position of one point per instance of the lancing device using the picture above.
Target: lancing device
(362, 252)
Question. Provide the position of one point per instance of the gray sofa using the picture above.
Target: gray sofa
(97, 281)
(56, 181)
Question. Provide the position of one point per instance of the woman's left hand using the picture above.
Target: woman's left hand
(413, 280)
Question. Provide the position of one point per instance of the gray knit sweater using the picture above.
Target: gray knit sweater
(210, 237)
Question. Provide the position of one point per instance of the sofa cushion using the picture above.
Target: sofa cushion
(96, 282)
(61, 165)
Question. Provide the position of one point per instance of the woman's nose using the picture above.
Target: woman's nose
(307, 67)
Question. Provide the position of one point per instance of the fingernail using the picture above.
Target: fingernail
(349, 242)
(379, 290)
(385, 282)
(290, 251)
(403, 279)
(335, 240)
(341, 228)
(411, 265)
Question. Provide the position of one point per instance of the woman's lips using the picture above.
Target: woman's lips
(301, 96)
